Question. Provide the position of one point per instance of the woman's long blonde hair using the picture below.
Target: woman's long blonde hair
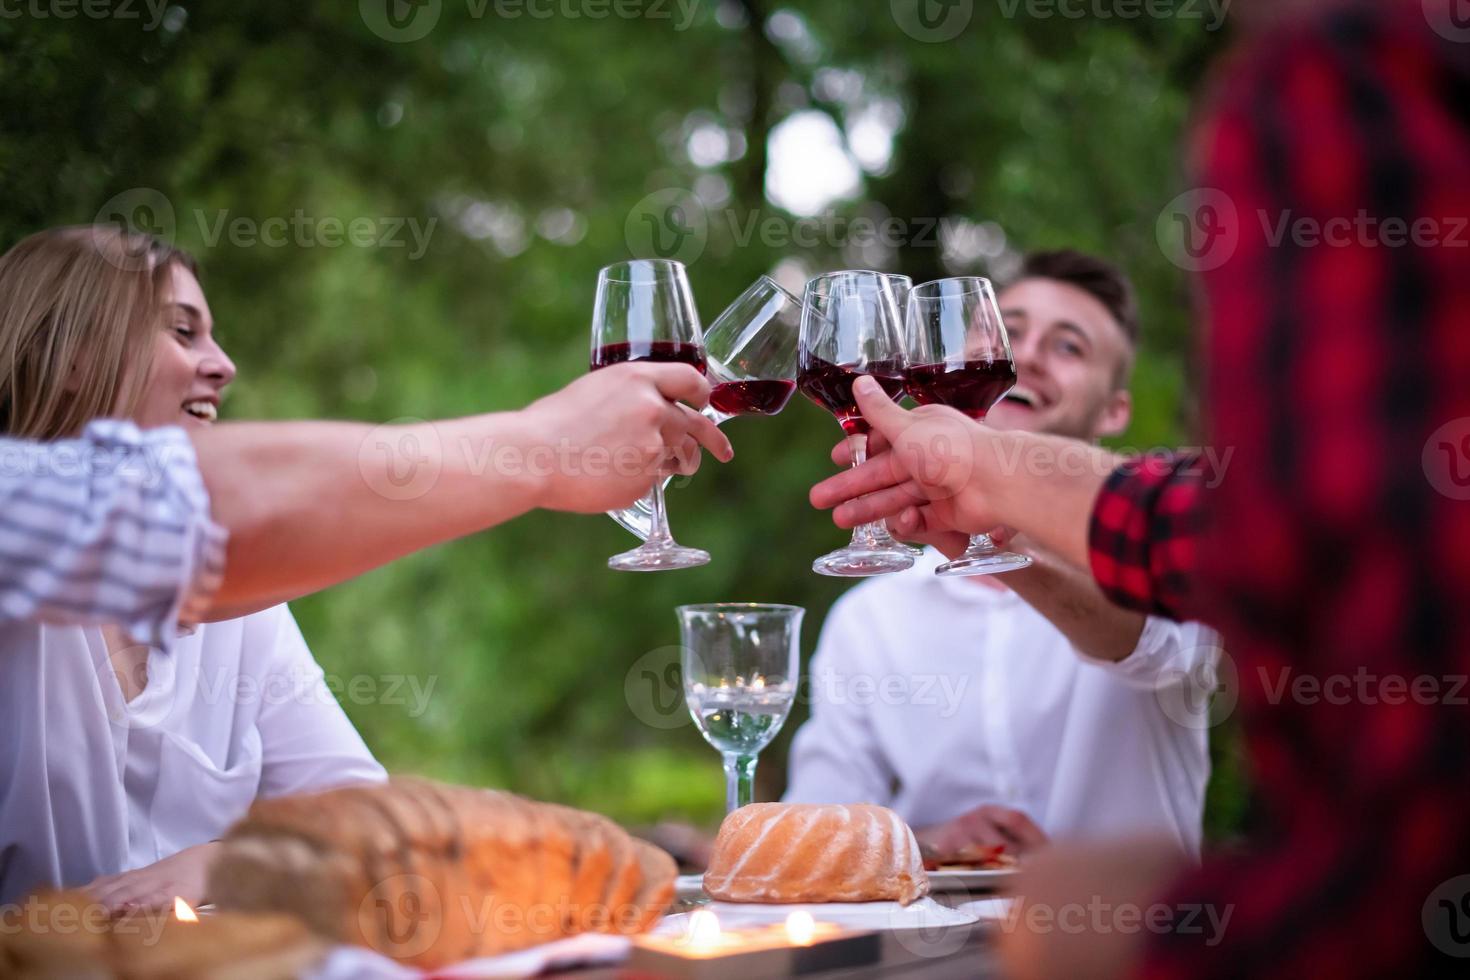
(78, 307)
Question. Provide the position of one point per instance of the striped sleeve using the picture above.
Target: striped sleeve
(112, 527)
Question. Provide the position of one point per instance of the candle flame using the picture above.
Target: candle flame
(758, 684)
(801, 928)
(183, 912)
(704, 929)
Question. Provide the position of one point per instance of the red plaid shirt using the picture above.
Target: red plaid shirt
(1336, 559)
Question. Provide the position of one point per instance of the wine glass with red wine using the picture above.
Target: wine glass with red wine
(751, 349)
(751, 363)
(959, 355)
(850, 327)
(645, 311)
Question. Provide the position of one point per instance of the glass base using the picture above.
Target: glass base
(858, 562)
(662, 559)
(987, 563)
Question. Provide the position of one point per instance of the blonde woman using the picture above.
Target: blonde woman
(120, 764)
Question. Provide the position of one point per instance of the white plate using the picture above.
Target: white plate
(923, 914)
(956, 880)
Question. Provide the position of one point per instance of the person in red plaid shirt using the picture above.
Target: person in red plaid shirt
(1330, 233)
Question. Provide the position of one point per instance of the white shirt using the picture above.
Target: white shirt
(92, 785)
(111, 527)
(937, 695)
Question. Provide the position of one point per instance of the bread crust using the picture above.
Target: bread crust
(432, 874)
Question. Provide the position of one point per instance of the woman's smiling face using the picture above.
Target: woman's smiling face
(189, 370)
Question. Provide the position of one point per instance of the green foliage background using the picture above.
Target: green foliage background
(1063, 132)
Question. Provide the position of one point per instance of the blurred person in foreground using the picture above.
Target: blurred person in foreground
(124, 762)
(1335, 554)
(1001, 710)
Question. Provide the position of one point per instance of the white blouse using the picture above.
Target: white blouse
(91, 784)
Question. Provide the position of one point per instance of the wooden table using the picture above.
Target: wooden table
(954, 953)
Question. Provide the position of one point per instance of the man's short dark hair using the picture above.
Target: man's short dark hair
(1097, 277)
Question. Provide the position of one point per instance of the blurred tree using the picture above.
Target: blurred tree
(492, 164)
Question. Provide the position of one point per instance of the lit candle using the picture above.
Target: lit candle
(704, 930)
(801, 928)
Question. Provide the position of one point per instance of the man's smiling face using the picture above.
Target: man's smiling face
(1072, 361)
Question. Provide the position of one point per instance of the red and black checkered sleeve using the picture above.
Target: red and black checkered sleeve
(1144, 534)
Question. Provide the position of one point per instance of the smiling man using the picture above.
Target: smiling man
(1014, 708)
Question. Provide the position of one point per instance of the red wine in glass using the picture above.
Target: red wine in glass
(655, 350)
(972, 386)
(751, 397)
(830, 387)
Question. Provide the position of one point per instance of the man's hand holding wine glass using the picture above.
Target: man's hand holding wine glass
(933, 471)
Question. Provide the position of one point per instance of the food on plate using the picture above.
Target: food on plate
(68, 935)
(971, 857)
(431, 874)
(793, 852)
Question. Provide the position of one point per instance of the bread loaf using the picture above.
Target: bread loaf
(431, 874)
(789, 852)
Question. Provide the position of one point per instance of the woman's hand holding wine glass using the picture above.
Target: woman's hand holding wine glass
(602, 441)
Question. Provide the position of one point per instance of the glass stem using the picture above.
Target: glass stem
(980, 545)
(658, 531)
(875, 534)
(739, 781)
